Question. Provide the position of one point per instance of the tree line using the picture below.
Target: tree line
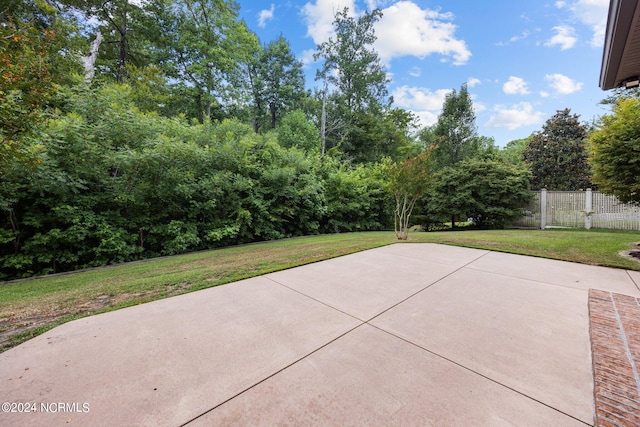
(133, 130)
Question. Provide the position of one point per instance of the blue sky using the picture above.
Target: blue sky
(522, 60)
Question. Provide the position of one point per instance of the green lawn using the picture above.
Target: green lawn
(30, 307)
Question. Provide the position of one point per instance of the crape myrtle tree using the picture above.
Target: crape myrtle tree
(410, 179)
(614, 151)
(557, 154)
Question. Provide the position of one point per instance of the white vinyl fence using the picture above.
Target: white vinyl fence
(579, 209)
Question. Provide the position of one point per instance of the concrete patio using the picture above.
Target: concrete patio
(408, 334)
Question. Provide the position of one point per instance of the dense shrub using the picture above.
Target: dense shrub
(491, 193)
(114, 184)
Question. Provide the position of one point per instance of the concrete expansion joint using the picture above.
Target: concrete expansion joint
(633, 281)
(475, 372)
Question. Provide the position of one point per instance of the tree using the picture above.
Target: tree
(557, 155)
(119, 23)
(620, 93)
(33, 60)
(297, 131)
(386, 134)
(351, 65)
(455, 134)
(491, 192)
(512, 152)
(207, 48)
(277, 81)
(614, 151)
(25, 84)
(353, 71)
(410, 179)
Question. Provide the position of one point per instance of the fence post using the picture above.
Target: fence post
(588, 201)
(543, 208)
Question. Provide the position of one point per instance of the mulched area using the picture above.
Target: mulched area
(615, 345)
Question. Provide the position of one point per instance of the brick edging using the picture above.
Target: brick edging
(614, 327)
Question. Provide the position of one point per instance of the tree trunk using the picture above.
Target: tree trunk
(273, 116)
(200, 106)
(89, 61)
(323, 121)
(207, 110)
(122, 64)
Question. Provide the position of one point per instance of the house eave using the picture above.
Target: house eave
(621, 54)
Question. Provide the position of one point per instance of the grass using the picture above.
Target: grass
(29, 308)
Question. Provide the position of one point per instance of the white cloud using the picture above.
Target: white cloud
(266, 15)
(544, 94)
(307, 57)
(319, 17)
(592, 13)
(562, 84)
(564, 37)
(376, 4)
(524, 35)
(419, 98)
(479, 107)
(415, 72)
(426, 118)
(472, 81)
(421, 101)
(515, 86)
(514, 117)
(405, 29)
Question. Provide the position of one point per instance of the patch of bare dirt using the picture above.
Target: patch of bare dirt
(633, 253)
(26, 320)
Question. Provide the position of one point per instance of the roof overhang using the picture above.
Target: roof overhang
(621, 56)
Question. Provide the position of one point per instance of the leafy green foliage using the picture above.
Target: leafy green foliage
(277, 82)
(512, 152)
(32, 37)
(190, 135)
(356, 197)
(455, 135)
(614, 151)
(557, 155)
(297, 131)
(208, 46)
(361, 80)
(490, 192)
(149, 185)
(355, 95)
(619, 94)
